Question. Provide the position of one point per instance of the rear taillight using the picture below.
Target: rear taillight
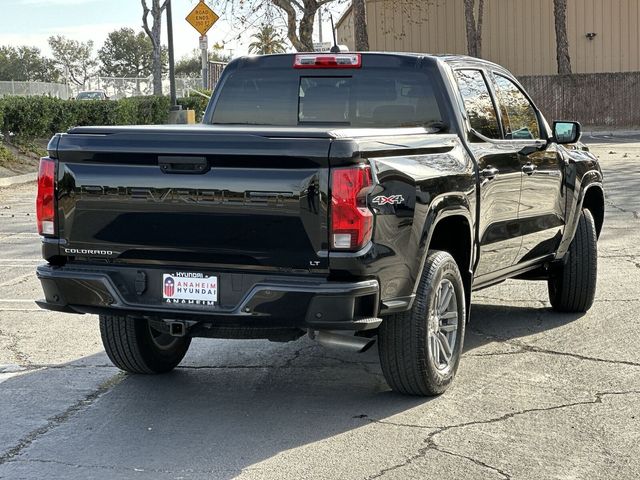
(351, 220)
(45, 201)
(332, 60)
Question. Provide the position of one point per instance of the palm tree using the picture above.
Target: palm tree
(267, 40)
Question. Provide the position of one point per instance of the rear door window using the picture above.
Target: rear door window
(364, 98)
(478, 103)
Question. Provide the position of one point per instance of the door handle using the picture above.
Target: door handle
(192, 165)
(529, 168)
(489, 173)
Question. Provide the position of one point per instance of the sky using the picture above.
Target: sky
(32, 22)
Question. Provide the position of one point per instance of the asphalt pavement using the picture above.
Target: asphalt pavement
(539, 395)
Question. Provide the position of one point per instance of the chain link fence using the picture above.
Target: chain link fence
(115, 88)
(122, 87)
(13, 88)
(215, 72)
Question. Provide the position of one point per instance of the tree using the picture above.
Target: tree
(360, 25)
(155, 34)
(474, 26)
(126, 53)
(76, 58)
(27, 64)
(191, 65)
(299, 16)
(562, 41)
(267, 40)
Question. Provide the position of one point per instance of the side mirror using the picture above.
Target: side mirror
(567, 132)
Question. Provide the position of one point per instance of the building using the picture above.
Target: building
(519, 34)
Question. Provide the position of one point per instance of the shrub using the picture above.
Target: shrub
(151, 110)
(194, 102)
(36, 117)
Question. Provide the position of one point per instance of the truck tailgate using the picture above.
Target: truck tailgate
(194, 196)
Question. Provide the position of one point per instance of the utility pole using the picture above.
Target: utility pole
(172, 70)
(320, 24)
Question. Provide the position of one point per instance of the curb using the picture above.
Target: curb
(17, 180)
(611, 133)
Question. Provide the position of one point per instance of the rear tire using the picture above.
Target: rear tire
(573, 286)
(134, 346)
(420, 349)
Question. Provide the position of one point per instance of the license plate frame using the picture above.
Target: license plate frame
(190, 289)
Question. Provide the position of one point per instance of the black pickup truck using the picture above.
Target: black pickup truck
(350, 197)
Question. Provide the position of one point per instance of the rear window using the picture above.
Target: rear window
(372, 98)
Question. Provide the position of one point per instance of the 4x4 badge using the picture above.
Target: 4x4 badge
(392, 200)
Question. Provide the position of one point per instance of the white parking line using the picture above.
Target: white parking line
(28, 260)
(21, 234)
(22, 310)
(7, 265)
(16, 280)
(15, 300)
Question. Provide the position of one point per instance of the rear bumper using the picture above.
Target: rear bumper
(245, 299)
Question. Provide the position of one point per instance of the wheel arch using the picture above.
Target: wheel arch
(594, 201)
(591, 196)
(451, 230)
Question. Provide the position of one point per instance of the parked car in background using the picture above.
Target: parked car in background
(92, 95)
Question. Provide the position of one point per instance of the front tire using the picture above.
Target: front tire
(420, 349)
(573, 287)
(133, 345)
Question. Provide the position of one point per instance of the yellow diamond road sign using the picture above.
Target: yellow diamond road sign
(202, 18)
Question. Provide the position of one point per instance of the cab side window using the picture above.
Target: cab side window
(519, 118)
(477, 101)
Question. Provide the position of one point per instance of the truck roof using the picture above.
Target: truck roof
(455, 60)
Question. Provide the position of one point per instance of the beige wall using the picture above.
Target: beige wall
(518, 34)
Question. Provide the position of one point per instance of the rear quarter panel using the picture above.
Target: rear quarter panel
(435, 177)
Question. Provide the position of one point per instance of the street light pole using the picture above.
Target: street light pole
(172, 70)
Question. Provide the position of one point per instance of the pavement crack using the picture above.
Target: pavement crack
(494, 354)
(296, 355)
(61, 418)
(225, 367)
(17, 280)
(542, 303)
(635, 213)
(431, 445)
(533, 349)
(15, 349)
(480, 463)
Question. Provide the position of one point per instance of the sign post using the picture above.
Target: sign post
(202, 18)
(204, 49)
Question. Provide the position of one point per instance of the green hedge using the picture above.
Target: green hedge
(194, 102)
(37, 117)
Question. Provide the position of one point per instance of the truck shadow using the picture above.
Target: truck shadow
(233, 407)
(502, 323)
(228, 408)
